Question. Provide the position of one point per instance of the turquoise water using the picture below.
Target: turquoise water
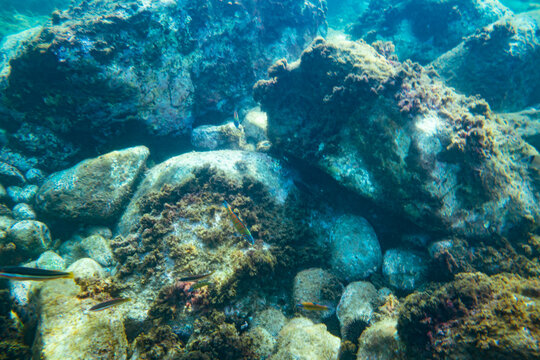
(262, 179)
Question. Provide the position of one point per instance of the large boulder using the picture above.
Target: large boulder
(145, 70)
(94, 190)
(499, 62)
(302, 340)
(176, 224)
(393, 134)
(421, 30)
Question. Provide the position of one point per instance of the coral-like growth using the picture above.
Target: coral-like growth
(217, 339)
(474, 317)
(159, 343)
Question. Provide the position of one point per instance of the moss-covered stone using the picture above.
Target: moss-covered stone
(475, 316)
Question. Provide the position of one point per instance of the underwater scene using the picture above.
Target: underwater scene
(269, 179)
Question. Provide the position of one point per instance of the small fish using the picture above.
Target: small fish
(109, 303)
(199, 285)
(533, 161)
(312, 306)
(239, 225)
(236, 120)
(28, 273)
(196, 277)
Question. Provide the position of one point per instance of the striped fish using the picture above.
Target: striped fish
(109, 303)
(239, 225)
(28, 273)
(196, 277)
(312, 306)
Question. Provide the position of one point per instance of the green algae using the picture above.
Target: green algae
(475, 316)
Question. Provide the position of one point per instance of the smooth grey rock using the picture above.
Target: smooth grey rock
(95, 189)
(35, 176)
(31, 237)
(355, 308)
(86, 268)
(10, 175)
(98, 248)
(23, 212)
(308, 287)
(404, 269)
(22, 195)
(51, 261)
(355, 250)
(255, 125)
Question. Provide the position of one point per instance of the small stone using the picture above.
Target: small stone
(22, 195)
(35, 176)
(356, 252)
(255, 125)
(317, 286)
(30, 237)
(98, 248)
(23, 212)
(404, 269)
(10, 175)
(51, 261)
(272, 320)
(355, 309)
(212, 137)
(86, 269)
(263, 342)
(96, 230)
(380, 341)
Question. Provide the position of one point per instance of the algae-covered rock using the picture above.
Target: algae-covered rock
(412, 145)
(302, 340)
(355, 309)
(30, 238)
(271, 320)
(499, 62)
(214, 137)
(380, 341)
(10, 175)
(405, 269)
(93, 190)
(318, 286)
(84, 269)
(25, 194)
(355, 249)
(176, 225)
(474, 317)
(66, 330)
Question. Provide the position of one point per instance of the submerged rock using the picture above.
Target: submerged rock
(95, 247)
(23, 212)
(474, 317)
(355, 309)
(355, 250)
(10, 175)
(214, 137)
(30, 237)
(317, 286)
(66, 329)
(380, 341)
(177, 63)
(22, 195)
(421, 30)
(302, 340)
(51, 261)
(93, 190)
(404, 269)
(412, 145)
(499, 62)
